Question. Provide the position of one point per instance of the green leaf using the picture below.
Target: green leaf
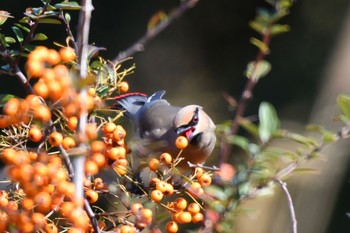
(258, 70)
(10, 40)
(249, 126)
(22, 27)
(328, 136)
(240, 141)
(216, 192)
(343, 102)
(269, 122)
(261, 45)
(67, 17)
(4, 15)
(39, 37)
(18, 33)
(29, 47)
(258, 26)
(49, 21)
(4, 98)
(279, 29)
(68, 6)
(301, 170)
(300, 139)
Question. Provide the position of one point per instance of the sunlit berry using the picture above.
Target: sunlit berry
(172, 227)
(205, 179)
(91, 195)
(165, 158)
(154, 164)
(55, 138)
(156, 195)
(35, 134)
(123, 87)
(181, 142)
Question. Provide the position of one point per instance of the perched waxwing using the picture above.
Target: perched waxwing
(160, 123)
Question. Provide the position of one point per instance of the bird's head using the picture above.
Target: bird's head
(191, 121)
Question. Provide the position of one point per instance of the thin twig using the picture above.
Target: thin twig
(79, 161)
(290, 205)
(247, 95)
(140, 44)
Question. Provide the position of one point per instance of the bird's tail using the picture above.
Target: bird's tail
(130, 102)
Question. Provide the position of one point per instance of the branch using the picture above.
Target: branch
(79, 161)
(140, 44)
(246, 96)
(290, 204)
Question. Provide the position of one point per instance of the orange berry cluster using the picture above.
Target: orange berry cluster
(55, 82)
(183, 213)
(45, 187)
(21, 111)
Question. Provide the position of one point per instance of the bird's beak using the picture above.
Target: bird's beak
(185, 131)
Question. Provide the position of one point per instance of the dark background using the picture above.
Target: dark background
(204, 53)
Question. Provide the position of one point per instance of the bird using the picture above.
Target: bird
(158, 122)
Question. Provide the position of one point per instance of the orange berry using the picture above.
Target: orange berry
(41, 89)
(116, 153)
(196, 189)
(184, 217)
(180, 203)
(171, 227)
(50, 228)
(3, 201)
(11, 107)
(156, 195)
(198, 217)
(161, 186)
(99, 159)
(98, 183)
(181, 142)
(55, 138)
(169, 189)
(119, 133)
(38, 219)
(91, 131)
(91, 195)
(109, 128)
(153, 182)
(127, 229)
(91, 167)
(43, 201)
(42, 113)
(34, 68)
(66, 208)
(53, 57)
(68, 143)
(146, 213)
(55, 89)
(154, 164)
(98, 147)
(27, 203)
(198, 172)
(165, 158)
(91, 91)
(72, 123)
(123, 87)
(12, 206)
(136, 208)
(35, 134)
(48, 75)
(67, 54)
(205, 179)
(193, 208)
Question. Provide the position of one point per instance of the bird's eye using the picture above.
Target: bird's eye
(195, 119)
